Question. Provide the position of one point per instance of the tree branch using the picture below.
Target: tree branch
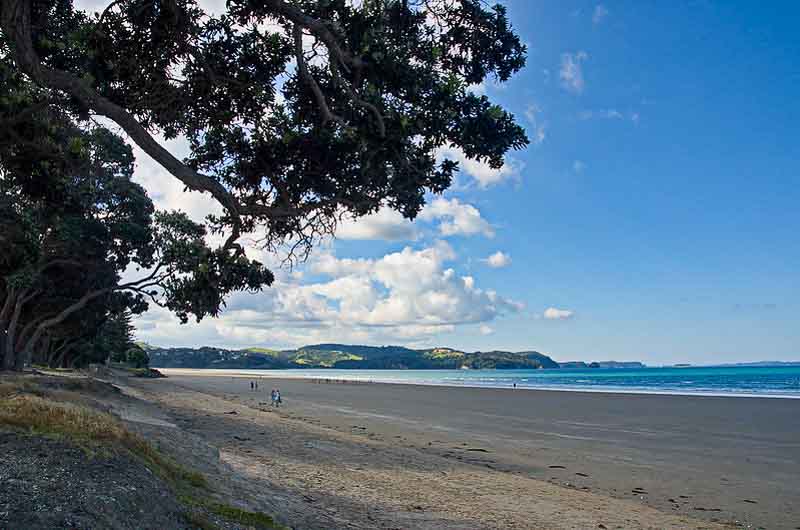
(15, 19)
(318, 29)
(308, 79)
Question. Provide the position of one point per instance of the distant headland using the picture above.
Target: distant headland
(348, 356)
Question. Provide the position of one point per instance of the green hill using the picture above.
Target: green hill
(348, 356)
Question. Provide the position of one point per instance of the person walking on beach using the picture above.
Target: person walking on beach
(277, 397)
(251, 385)
(272, 397)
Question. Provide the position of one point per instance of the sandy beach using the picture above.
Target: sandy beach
(401, 456)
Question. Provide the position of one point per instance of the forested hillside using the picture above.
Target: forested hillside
(345, 356)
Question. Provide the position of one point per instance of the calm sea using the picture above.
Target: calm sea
(727, 381)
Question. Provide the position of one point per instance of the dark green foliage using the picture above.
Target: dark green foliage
(207, 357)
(137, 357)
(71, 224)
(116, 337)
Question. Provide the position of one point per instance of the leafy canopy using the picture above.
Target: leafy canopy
(296, 112)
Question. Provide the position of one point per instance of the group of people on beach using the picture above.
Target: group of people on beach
(274, 395)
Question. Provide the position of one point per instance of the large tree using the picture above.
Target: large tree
(296, 113)
(72, 223)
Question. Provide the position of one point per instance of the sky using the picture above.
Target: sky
(654, 217)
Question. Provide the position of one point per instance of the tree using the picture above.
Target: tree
(137, 357)
(116, 337)
(297, 113)
(72, 222)
(368, 92)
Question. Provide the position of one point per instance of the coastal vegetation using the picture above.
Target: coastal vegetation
(296, 115)
(359, 356)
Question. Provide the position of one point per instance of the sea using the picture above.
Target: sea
(744, 381)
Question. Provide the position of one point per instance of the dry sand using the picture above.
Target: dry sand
(353, 456)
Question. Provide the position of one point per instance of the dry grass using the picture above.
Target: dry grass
(10, 387)
(29, 407)
(42, 416)
(39, 415)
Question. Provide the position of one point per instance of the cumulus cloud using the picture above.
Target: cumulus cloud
(498, 260)
(539, 127)
(481, 172)
(599, 14)
(456, 218)
(486, 330)
(571, 72)
(387, 224)
(552, 313)
(403, 297)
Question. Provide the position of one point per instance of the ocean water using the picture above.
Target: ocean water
(781, 381)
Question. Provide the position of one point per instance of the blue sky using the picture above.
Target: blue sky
(654, 217)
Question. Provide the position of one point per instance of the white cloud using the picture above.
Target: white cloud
(578, 166)
(457, 218)
(387, 224)
(571, 72)
(609, 114)
(486, 330)
(539, 126)
(552, 313)
(599, 14)
(635, 118)
(498, 260)
(453, 217)
(479, 89)
(483, 174)
(403, 297)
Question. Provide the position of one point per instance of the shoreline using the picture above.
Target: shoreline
(279, 374)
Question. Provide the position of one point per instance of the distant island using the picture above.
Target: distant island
(765, 364)
(346, 356)
(601, 364)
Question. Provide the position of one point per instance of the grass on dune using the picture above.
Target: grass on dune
(26, 407)
(39, 415)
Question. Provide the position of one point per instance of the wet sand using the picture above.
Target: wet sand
(731, 460)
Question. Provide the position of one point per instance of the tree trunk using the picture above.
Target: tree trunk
(11, 330)
(12, 359)
(26, 352)
(57, 359)
(6, 353)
